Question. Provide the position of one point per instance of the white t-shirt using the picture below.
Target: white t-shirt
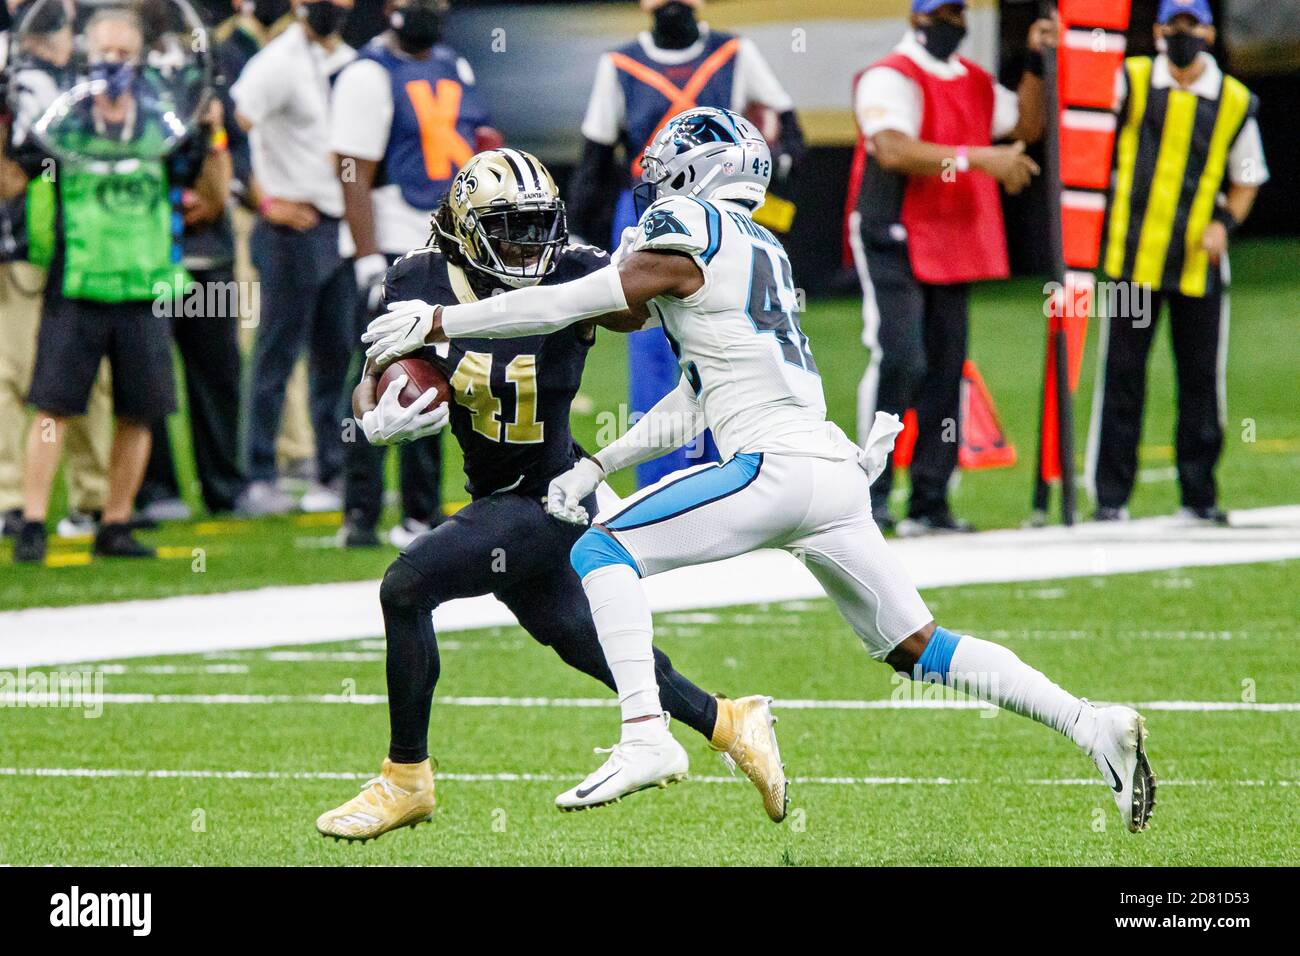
(1246, 163)
(754, 82)
(284, 92)
(360, 123)
(886, 99)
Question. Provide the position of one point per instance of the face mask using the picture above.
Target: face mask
(418, 26)
(674, 26)
(120, 77)
(1181, 48)
(941, 38)
(323, 17)
(266, 12)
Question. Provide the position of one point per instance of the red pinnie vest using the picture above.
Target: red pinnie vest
(955, 230)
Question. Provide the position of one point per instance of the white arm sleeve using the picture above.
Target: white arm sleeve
(537, 310)
(675, 420)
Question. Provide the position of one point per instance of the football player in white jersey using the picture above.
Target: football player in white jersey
(720, 287)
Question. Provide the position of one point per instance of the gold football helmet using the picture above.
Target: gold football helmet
(503, 215)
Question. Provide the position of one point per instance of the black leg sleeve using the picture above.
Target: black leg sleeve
(413, 665)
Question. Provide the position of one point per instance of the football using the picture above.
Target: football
(421, 375)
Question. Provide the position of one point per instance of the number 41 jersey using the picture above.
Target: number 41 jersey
(510, 397)
(738, 339)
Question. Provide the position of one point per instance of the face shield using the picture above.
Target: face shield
(519, 244)
(111, 80)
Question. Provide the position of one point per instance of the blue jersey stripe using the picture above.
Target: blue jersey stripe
(713, 221)
(689, 492)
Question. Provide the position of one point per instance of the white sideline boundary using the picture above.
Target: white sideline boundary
(313, 614)
(273, 775)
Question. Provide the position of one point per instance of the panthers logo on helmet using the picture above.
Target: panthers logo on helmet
(662, 223)
(697, 129)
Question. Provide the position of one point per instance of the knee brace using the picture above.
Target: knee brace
(597, 549)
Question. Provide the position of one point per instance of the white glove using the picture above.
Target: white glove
(625, 245)
(399, 331)
(369, 271)
(565, 495)
(880, 442)
(389, 423)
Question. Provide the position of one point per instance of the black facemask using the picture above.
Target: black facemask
(674, 26)
(323, 17)
(1181, 48)
(941, 38)
(418, 26)
(266, 12)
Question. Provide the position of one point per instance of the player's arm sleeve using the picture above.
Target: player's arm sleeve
(886, 99)
(676, 419)
(537, 310)
(758, 84)
(361, 111)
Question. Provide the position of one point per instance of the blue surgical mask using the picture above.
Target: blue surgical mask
(119, 77)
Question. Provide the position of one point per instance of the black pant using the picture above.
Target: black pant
(308, 298)
(921, 337)
(509, 546)
(209, 348)
(1195, 325)
(419, 462)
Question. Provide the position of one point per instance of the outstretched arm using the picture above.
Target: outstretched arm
(614, 297)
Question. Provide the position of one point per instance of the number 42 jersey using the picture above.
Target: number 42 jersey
(738, 339)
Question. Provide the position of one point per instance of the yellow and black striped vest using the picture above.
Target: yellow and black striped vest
(1170, 158)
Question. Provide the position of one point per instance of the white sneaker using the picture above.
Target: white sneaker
(320, 498)
(167, 509)
(263, 498)
(402, 534)
(77, 524)
(635, 764)
(1117, 750)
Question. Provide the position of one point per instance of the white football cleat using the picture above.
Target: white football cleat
(633, 764)
(1118, 752)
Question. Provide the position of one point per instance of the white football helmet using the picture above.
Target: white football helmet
(708, 153)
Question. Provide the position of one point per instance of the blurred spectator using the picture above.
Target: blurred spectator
(107, 258)
(205, 325)
(1187, 128)
(678, 64)
(405, 117)
(235, 41)
(307, 287)
(22, 286)
(927, 223)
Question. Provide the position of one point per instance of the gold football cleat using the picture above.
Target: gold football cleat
(401, 796)
(745, 735)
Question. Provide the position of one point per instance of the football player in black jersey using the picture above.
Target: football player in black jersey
(502, 226)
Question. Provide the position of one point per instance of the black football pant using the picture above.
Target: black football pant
(506, 545)
(920, 338)
(419, 462)
(209, 350)
(1199, 332)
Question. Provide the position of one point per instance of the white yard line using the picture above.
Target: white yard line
(313, 614)
(42, 699)
(130, 773)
